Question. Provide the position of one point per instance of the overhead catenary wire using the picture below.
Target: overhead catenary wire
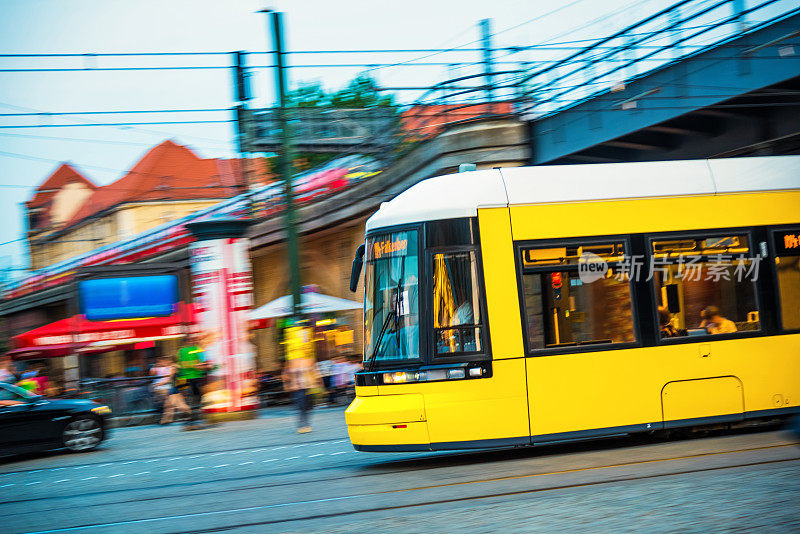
(476, 88)
(114, 112)
(160, 133)
(108, 169)
(221, 146)
(130, 124)
(115, 124)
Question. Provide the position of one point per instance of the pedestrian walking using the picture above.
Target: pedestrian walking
(174, 400)
(35, 379)
(192, 371)
(326, 372)
(300, 377)
(162, 382)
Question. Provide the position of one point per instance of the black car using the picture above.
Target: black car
(32, 422)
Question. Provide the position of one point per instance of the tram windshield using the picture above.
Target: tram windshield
(391, 297)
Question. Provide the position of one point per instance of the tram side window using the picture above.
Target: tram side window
(705, 285)
(564, 308)
(456, 303)
(787, 264)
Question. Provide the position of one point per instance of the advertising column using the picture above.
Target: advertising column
(222, 289)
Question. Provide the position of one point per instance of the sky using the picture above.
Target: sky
(29, 155)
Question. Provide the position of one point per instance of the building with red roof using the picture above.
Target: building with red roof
(69, 214)
(57, 198)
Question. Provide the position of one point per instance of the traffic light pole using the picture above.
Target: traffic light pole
(285, 167)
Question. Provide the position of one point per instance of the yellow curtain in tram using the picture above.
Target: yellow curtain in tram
(444, 306)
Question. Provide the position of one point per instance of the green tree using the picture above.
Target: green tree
(360, 92)
(308, 95)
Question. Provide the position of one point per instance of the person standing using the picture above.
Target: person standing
(300, 376)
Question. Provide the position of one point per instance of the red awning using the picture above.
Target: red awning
(54, 351)
(43, 351)
(77, 335)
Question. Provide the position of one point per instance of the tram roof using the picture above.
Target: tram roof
(462, 194)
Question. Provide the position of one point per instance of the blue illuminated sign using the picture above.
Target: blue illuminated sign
(103, 299)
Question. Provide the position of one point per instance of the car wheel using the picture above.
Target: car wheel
(82, 434)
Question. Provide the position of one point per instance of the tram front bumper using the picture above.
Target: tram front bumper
(388, 423)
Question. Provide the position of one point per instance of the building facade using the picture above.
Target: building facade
(70, 215)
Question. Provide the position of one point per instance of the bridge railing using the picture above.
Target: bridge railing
(325, 129)
(549, 84)
(672, 34)
(538, 88)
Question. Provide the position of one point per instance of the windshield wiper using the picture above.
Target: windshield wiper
(392, 314)
(371, 360)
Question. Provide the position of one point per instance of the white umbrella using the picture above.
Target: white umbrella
(310, 302)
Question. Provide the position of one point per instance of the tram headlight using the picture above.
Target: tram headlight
(436, 374)
(400, 377)
(431, 375)
(456, 373)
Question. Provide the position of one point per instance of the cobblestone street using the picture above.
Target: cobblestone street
(260, 476)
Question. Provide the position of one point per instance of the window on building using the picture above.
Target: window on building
(787, 264)
(576, 295)
(456, 303)
(705, 285)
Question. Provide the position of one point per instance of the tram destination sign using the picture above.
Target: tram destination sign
(787, 242)
(388, 247)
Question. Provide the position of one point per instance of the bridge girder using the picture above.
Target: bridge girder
(706, 105)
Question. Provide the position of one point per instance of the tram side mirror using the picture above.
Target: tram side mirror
(355, 273)
(673, 302)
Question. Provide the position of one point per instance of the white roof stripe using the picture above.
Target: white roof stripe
(444, 197)
(765, 173)
(605, 181)
(461, 195)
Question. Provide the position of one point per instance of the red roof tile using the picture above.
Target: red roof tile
(428, 120)
(63, 175)
(168, 171)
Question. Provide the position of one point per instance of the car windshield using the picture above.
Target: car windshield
(391, 297)
(10, 392)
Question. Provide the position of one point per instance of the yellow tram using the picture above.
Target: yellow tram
(528, 305)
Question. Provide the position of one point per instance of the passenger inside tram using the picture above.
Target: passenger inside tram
(666, 323)
(715, 323)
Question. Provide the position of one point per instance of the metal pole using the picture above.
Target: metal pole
(241, 115)
(486, 36)
(285, 167)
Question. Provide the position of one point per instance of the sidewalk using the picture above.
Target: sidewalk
(152, 417)
(273, 427)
